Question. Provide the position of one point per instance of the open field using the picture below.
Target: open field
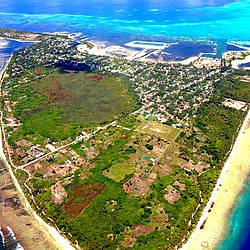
(157, 129)
(119, 171)
(88, 98)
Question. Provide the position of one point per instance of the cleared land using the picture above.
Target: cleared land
(82, 196)
(157, 129)
(119, 171)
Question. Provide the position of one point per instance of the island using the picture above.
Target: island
(117, 152)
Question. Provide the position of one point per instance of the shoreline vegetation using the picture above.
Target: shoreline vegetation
(211, 139)
(211, 228)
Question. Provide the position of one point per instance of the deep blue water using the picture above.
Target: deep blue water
(245, 65)
(7, 47)
(197, 25)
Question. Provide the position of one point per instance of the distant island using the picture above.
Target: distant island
(118, 152)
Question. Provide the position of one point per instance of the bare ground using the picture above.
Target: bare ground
(13, 214)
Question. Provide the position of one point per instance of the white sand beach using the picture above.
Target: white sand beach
(229, 185)
(236, 63)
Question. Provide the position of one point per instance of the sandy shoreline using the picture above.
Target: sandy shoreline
(236, 63)
(229, 185)
(19, 40)
(2, 71)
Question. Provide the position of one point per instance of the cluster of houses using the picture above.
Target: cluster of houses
(45, 53)
(26, 151)
(169, 92)
(19, 35)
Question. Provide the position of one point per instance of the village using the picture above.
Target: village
(169, 92)
(154, 154)
(169, 96)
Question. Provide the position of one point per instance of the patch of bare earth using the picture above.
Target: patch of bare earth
(60, 170)
(157, 222)
(172, 195)
(58, 193)
(142, 229)
(162, 170)
(58, 93)
(97, 77)
(138, 185)
(180, 185)
(86, 193)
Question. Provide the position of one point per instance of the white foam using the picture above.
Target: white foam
(3, 43)
(119, 11)
(154, 10)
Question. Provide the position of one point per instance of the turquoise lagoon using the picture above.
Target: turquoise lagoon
(221, 19)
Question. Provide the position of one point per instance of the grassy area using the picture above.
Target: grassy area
(58, 106)
(119, 171)
(234, 87)
(84, 97)
(157, 129)
(117, 197)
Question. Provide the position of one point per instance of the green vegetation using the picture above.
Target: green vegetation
(149, 146)
(78, 200)
(220, 124)
(135, 185)
(112, 210)
(86, 98)
(119, 171)
(59, 106)
(100, 210)
(38, 174)
(216, 127)
(233, 87)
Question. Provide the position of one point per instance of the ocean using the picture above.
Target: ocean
(221, 19)
(238, 234)
(197, 25)
(7, 47)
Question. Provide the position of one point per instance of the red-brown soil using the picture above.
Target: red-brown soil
(87, 192)
(97, 77)
(58, 93)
